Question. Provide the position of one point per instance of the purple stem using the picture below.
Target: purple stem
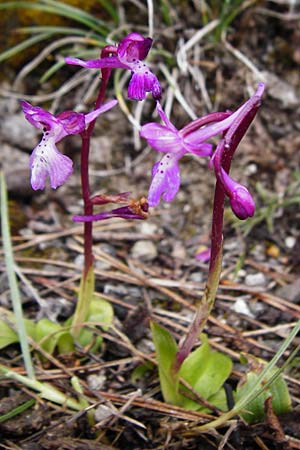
(85, 185)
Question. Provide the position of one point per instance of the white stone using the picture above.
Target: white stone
(290, 241)
(96, 381)
(144, 250)
(256, 279)
(103, 412)
(148, 228)
(241, 307)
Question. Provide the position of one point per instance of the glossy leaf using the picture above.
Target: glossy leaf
(51, 335)
(100, 313)
(166, 350)
(7, 335)
(206, 371)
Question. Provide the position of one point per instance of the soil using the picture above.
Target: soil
(148, 269)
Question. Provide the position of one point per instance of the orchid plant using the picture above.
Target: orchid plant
(204, 370)
(46, 160)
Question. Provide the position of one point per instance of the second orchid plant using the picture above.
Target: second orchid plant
(204, 370)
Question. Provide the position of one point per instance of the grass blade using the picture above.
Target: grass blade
(111, 9)
(60, 9)
(12, 279)
(18, 410)
(23, 45)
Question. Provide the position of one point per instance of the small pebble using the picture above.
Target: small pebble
(145, 250)
(96, 381)
(241, 307)
(290, 242)
(256, 279)
(103, 412)
(148, 228)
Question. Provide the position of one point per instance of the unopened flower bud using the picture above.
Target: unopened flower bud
(242, 203)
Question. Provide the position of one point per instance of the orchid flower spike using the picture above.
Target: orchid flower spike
(45, 159)
(165, 173)
(129, 54)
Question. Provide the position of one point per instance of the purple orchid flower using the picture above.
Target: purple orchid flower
(167, 139)
(129, 54)
(45, 159)
(193, 138)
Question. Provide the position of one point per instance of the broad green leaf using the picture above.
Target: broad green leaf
(254, 411)
(100, 313)
(51, 335)
(219, 400)
(7, 335)
(166, 350)
(206, 371)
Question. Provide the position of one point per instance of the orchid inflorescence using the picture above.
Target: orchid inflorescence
(46, 160)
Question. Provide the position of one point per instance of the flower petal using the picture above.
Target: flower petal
(134, 46)
(208, 131)
(164, 117)
(166, 180)
(204, 149)
(110, 62)
(94, 114)
(38, 117)
(72, 122)
(161, 138)
(46, 161)
(143, 81)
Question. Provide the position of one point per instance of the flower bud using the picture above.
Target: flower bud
(242, 203)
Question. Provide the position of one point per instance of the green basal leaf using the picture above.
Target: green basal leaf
(100, 313)
(166, 350)
(50, 335)
(254, 411)
(219, 400)
(7, 335)
(206, 371)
